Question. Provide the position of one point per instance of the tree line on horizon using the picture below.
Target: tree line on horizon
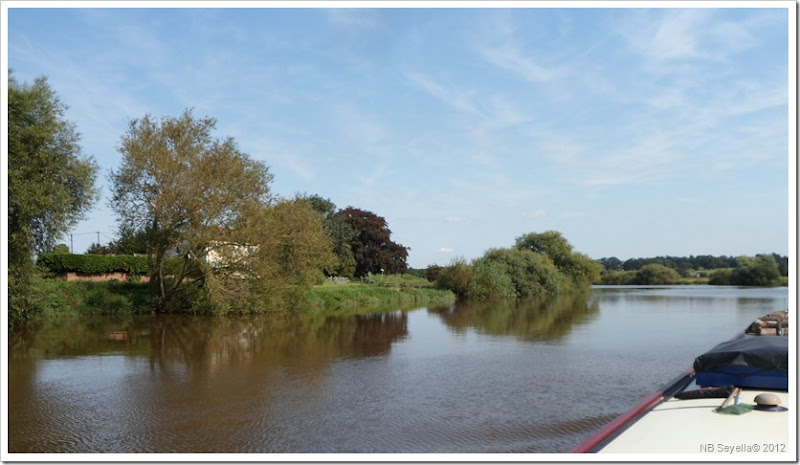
(758, 270)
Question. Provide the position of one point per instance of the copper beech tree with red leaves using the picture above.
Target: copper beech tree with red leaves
(372, 247)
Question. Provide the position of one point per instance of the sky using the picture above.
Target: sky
(635, 131)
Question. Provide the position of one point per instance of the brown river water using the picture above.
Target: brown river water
(509, 377)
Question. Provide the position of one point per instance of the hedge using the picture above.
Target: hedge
(93, 264)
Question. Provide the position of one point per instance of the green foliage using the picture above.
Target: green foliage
(655, 274)
(50, 184)
(432, 273)
(549, 243)
(340, 233)
(618, 278)
(23, 299)
(721, 277)
(580, 270)
(180, 186)
(457, 277)
(128, 243)
(56, 297)
(93, 264)
(61, 248)
(376, 297)
(532, 273)
(400, 280)
(761, 270)
(538, 265)
(490, 280)
(611, 263)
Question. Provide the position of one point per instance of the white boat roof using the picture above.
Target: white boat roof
(692, 426)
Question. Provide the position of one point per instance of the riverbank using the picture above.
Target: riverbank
(378, 294)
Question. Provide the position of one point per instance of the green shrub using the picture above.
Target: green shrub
(655, 274)
(93, 264)
(490, 281)
(617, 278)
(721, 277)
(761, 270)
(456, 278)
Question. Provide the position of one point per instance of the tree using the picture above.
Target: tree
(457, 277)
(761, 270)
(183, 187)
(656, 274)
(128, 243)
(340, 232)
(274, 273)
(61, 249)
(532, 273)
(581, 270)
(372, 247)
(549, 243)
(294, 253)
(490, 280)
(611, 263)
(50, 182)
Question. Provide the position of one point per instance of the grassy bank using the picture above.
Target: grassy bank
(125, 298)
(373, 296)
(96, 298)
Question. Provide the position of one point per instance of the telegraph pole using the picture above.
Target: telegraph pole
(71, 249)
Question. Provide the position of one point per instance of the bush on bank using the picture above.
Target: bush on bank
(538, 265)
(93, 263)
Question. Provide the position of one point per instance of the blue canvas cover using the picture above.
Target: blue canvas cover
(746, 361)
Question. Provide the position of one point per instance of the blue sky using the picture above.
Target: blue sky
(635, 132)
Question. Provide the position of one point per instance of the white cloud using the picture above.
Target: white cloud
(351, 17)
(446, 251)
(534, 215)
(454, 219)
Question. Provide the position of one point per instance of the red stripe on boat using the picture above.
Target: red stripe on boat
(648, 403)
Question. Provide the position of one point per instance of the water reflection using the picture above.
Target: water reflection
(528, 319)
(178, 383)
(209, 341)
(496, 377)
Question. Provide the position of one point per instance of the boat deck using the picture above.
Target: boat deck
(692, 426)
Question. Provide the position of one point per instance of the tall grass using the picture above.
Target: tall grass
(87, 297)
(378, 297)
(57, 297)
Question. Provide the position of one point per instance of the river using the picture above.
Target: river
(519, 377)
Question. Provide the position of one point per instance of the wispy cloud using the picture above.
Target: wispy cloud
(651, 158)
(462, 101)
(538, 214)
(510, 58)
(354, 18)
(665, 35)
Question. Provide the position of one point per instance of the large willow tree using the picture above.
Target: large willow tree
(192, 195)
(50, 183)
